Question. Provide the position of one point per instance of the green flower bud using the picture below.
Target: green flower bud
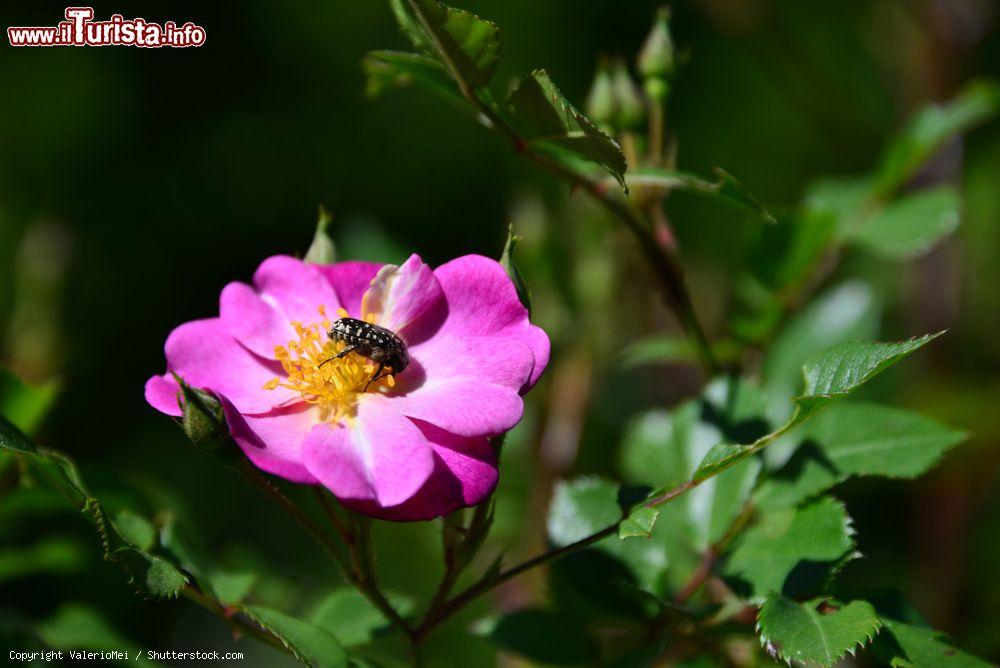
(322, 250)
(631, 108)
(656, 59)
(601, 107)
(202, 418)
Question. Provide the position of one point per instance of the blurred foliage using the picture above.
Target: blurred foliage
(134, 184)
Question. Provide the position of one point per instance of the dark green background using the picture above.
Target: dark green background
(135, 183)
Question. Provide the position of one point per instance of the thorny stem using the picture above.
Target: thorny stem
(362, 575)
(238, 625)
(454, 568)
(668, 271)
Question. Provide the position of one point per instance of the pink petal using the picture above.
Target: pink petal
(273, 441)
(204, 354)
(382, 457)
(465, 474)
(399, 296)
(161, 393)
(252, 321)
(350, 280)
(482, 301)
(498, 361)
(295, 289)
(467, 386)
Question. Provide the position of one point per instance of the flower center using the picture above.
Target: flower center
(313, 369)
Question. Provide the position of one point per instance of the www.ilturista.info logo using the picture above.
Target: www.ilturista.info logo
(79, 29)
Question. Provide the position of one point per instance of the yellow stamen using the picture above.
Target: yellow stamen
(313, 369)
(370, 318)
(342, 312)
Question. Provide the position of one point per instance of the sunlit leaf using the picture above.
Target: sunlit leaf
(792, 551)
(850, 439)
(817, 632)
(829, 375)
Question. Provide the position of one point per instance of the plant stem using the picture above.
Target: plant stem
(362, 576)
(470, 544)
(331, 514)
(656, 124)
(712, 555)
(665, 266)
(238, 625)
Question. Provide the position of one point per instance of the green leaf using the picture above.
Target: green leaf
(852, 439)
(153, 575)
(310, 644)
(13, 439)
(847, 312)
(665, 449)
(582, 507)
(385, 70)
(136, 530)
(76, 626)
(828, 376)
(639, 523)
(911, 226)
(844, 368)
(26, 405)
(410, 27)
(322, 250)
(227, 586)
(726, 189)
(507, 262)
(544, 636)
(793, 551)
(931, 127)
(818, 632)
(548, 122)
(906, 640)
(54, 555)
(468, 45)
(351, 618)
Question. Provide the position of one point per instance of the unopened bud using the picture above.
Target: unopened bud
(628, 99)
(202, 418)
(600, 105)
(657, 59)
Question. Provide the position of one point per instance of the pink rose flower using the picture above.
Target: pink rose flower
(412, 446)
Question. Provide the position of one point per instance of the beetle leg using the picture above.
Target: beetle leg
(375, 376)
(348, 349)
